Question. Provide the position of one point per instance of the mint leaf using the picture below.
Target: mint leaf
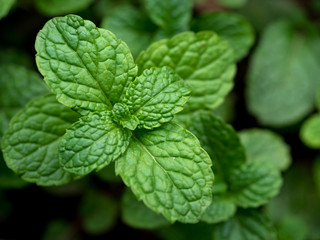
(132, 26)
(220, 140)
(61, 7)
(30, 146)
(171, 15)
(121, 114)
(278, 71)
(249, 224)
(5, 6)
(221, 209)
(92, 143)
(254, 184)
(155, 96)
(98, 212)
(203, 60)
(88, 68)
(310, 131)
(169, 171)
(137, 215)
(18, 86)
(233, 28)
(266, 147)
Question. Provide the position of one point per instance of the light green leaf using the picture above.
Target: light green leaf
(88, 68)
(232, 3)
(18, 86)
(220, 140)
(155, 96)
(310, 132)
(171, 15)
(98, 212)
(30, 146)
(203, 60)
(5, 6)
(254, 184)
(132, 26)
(248, 224)
(283, 76)
(92, 143)
(266, 147)
(233, 28)
(137, 215)
(221, 209)
(61, 7)
(169, 171)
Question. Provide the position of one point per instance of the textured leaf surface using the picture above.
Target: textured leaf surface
(61, 7)
(254, 184)
(310, 132)
(248, 224)
(203, 60)
(18, 86)
(220, 140)
(131, 25)
(98, 212)
(137, 215)
(233, 28)
(92, 143)
(221, 209)
(283, 76)
(5, 6)
(171, 15)
(266, 147)
(30, 146)
(169, 171)
(155, 96)
(88, 68)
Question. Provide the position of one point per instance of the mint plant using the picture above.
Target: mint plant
(118, 116)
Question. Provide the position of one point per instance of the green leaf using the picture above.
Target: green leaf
(283, 75)
(248, 224)
(169, 171)
(5, 6)
(137, 215)
(98, 212)
(221, 209)
(220, 140)
(87, 67)
(171, 15)
(232, 3)
(7, 177)
(121, 114)
(233, 28)
(203, 60)
(30, 146)
(254, 184)
(61, 7)
(310, 131)
(132, 26)
(92, 143)
(266, 147)
(155, 96)
(18, 86)
(292, 228)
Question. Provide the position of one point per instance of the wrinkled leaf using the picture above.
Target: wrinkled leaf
(87, 67)
(92, 143)
(203, 60)
(169, 171)
(30, 146)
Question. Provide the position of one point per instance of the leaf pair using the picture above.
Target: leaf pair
(124, 119)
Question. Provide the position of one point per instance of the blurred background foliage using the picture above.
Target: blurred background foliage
(274, 106)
